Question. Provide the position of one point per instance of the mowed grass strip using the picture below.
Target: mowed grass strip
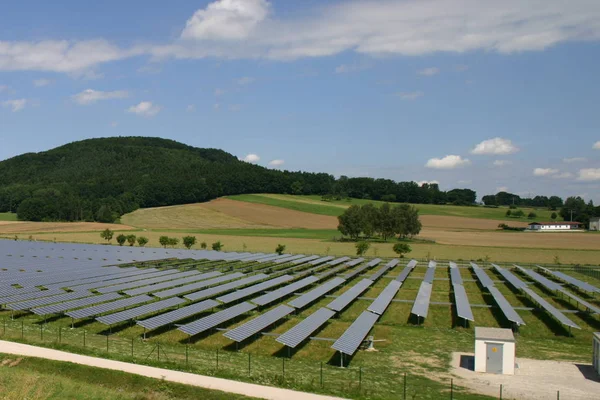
(8, 217)
(36, 378)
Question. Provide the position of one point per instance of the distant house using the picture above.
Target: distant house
(595, 224)
(554, 226)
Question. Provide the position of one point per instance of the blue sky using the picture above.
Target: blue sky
(462, 92)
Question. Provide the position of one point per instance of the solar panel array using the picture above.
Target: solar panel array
(173, 283)
(316, 293)
(256, 325)
(551, 309)
(587, 305)
(512, 279)
(216, 319)
(463, 308)
(146, 309)
(31, 295)
(542, 280)
(349, 295)
(284, 291)
(78, 303)
(305, 328)
(406, 271)
(381, 303)
(224, 288)
(420, 307)
(197, 285)
(353, 337)
(572, 281)
(381, 271)
(177, 315)
(29, 304)
(107, 307)
(144, 282)
(482, 276)
(249, 291)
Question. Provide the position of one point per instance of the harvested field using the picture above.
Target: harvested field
(14, 227)
(450, 222)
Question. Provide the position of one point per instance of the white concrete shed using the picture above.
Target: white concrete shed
(596, 352)
(494, 351)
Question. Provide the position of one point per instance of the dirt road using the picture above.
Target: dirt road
(224, 385)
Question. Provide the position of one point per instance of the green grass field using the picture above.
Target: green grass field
(37, 379)
(314, 204)
(8, 217)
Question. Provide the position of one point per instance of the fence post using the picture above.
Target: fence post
(107, 343)
(321, 373)
(217, 358)
(558, 395)
(451, 389)
(132, 357)
(158, 350)
(404, 387)
(22, 329)
(59, 335)
(359, 378)
(4, 331)
(41, 332)
(248, 364)
(186, 355)
(500, 391)
(283, 367)
(84, 338)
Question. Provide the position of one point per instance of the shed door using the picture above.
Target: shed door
(494, 358)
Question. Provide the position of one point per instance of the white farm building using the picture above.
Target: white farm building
(554, 226)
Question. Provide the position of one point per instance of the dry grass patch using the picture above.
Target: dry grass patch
(12, 227)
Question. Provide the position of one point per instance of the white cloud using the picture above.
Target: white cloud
(251, 158)
(448, 162)
(276, 163)
(574, 160)
(544, 171)
(347, 68)
(589, 174)
(461, 68)
(15, 105)
(464, 182)
(501, 189)
(41, 82)
(496, 145)
(562, 175)
(216, 107)
(410, 95)
(190, 108)
(114, 124)
(90, 96)
(502, 163)
(219, 92)
(429, 71)
(145, 109)
(596, 145)
(226, 20)
(246, 80)
(421, 183)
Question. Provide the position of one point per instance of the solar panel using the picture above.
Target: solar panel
(349, 295)
(354, 262)
(144, 282)
(284, 291)
(484, 279)
(12, 291)
(575, 282)
(96, 282)
(463, 308)
(405, 272)
(353, 337)
(332, 271)
(357, 271)
(69, 305)
(304, 260)
(256, 325)
(107, 307)
(584, 303)
(421, 305)
(384, 269)
(321, 260)
(240, 294)
(551, 309)
(177, 315)
(32, 295)
(173, 283)
(223, 288)
(381, 303)
(505, 306)
(305, 328)
(429, 275)
(547, 283)
(216, 319)
(197, 285)
(516, 282)
(455, 275)
(316, 293)
(26, 305)
(289, 259)
(132, 313)
(338, 261)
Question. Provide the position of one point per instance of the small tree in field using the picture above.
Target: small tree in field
(131, 239)
(532, 215)
(189, 241)
(401, 249)
(280, 249)
(107, 235)
(553, 216)
(508, 213)
(142, 241)
(173, 242)
(217, 246)
(164, 241)
(121, 239)
(203, 245)
(362, 247)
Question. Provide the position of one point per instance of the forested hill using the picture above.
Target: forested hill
(101, 179)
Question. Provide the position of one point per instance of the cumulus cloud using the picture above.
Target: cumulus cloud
(562, 175)
(276, 163)
(502, 163)
(348, 68)
(544, 171)
(429, 71)
(246, 80)
(41, 82)
(90, 96)
(574, 160)
(410, 95)
(251, 158)
(448, 162)
(501, 189)
(496, 146)
(589, 174)
(421, 183)
(15, 105)
(596, 145)
(190, 108)
(145, 109)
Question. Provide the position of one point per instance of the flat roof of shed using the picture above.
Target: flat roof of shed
(499, 334)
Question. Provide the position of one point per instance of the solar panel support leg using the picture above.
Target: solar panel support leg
(72, 323)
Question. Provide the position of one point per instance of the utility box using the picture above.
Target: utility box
(494, 351)
(596, 352)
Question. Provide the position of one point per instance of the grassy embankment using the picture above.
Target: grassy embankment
(8, 217)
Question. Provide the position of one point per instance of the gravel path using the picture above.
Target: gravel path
(224, 385)
(533, 380)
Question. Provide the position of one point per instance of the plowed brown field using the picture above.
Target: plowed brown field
(12, 227)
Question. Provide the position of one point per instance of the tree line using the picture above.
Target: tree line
(387, 221)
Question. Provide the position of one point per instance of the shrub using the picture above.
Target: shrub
(142, 241)
(203, 245)
(362, 247)
(280, 249)
(131, 239)
(189, 241)
(217, 246)
(401, 249)
(121, 239)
